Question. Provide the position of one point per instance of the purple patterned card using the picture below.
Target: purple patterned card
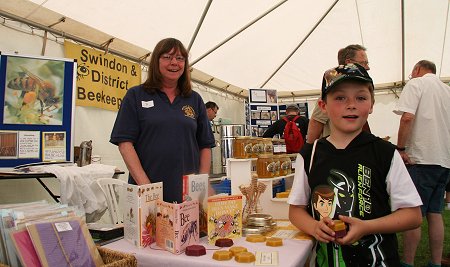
(62, 244)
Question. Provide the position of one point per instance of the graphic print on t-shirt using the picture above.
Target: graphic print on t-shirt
(323, 200)
(344, 187)
(336, 198)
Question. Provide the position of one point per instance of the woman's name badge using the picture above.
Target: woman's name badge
(147, 104)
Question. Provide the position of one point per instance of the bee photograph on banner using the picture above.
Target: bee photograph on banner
(34, 91)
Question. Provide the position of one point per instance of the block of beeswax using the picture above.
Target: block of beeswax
(195, 250)
(244, 257)
(255, 238)
(222, 255)
(339, 228)
(224, 242)
(237, 249)
(282, 195)
(274, 242)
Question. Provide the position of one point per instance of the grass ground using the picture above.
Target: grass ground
(423, 251)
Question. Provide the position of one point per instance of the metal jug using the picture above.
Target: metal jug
(85, 153)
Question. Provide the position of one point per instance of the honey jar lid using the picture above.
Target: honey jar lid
(260, 217)
(243, 137)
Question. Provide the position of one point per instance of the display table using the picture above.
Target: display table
(9, 173)
(293, 253)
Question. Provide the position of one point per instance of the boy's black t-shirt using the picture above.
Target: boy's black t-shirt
(357, 175)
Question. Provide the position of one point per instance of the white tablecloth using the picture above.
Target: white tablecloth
(293, 253)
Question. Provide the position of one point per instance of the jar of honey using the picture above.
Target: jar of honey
(265, 166)
(282, 146)
(285, 165)
(277, 164)
(240, 147)
(257, 146)
(276, 146)
(267, 146)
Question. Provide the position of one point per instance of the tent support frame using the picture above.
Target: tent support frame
(300, 44)
(100, 47)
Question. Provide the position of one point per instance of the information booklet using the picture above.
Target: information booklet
(177, 225)
(195, 187)
(139, 208)
(224, 217)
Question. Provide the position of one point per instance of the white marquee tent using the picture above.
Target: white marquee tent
(282, 45)
(234, 45)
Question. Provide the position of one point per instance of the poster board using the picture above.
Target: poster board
(36, 109)
(262, 110)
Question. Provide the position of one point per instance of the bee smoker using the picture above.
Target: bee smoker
(85, 153)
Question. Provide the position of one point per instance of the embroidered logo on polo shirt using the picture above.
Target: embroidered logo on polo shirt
(188, 111)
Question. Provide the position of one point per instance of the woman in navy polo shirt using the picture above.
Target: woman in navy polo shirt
(162, 129)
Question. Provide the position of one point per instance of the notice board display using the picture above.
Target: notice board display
(37, 108)
(262, 110)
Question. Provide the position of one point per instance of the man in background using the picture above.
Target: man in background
(423, 144)
(318, 124)
(278, 126)
(211, 110)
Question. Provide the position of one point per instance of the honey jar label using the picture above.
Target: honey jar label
(256, 149)
(268, 148)
(271, 167)
(285, 165)
(248, 149)
(277, 166)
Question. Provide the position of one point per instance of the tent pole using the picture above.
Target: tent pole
(300, 44)
(403, 41)
(238, 32)
(199, 25)
(443, 45)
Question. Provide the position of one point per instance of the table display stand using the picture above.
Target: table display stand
(240, 172)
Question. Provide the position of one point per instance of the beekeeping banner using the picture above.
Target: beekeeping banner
(102, 78)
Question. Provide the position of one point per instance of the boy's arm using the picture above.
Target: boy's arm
(398, 221)
(300, 218)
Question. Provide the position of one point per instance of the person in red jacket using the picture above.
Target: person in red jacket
(278, 126)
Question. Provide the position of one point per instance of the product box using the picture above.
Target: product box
(139, 208)
(224, 217)
(195, 187)
(177, 225)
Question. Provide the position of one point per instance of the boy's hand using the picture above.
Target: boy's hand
(323, 232)
(354, 233)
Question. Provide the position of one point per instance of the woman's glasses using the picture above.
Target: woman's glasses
(169, 57)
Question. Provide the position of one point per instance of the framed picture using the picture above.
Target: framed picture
(258, 96)
(272, 96)
(36, 101)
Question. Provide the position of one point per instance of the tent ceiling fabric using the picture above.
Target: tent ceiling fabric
(252, 56)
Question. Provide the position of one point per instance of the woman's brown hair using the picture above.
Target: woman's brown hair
(155, 79)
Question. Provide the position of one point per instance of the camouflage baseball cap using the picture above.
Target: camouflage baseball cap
(335, 76)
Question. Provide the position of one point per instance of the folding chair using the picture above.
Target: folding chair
(112, 189)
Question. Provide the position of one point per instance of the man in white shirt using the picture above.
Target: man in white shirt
(423, 144)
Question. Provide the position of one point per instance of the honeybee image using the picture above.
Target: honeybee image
(34, 93)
